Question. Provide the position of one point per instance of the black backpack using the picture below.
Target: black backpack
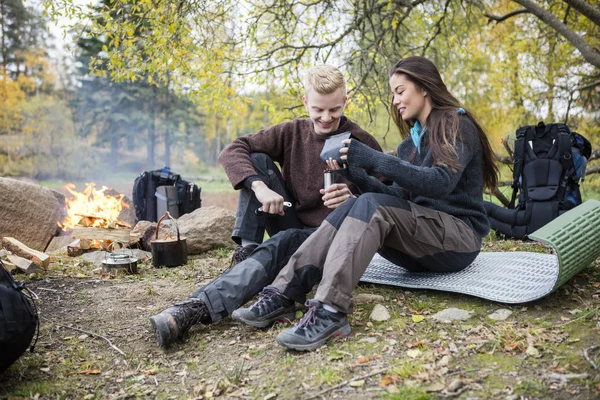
(18, 319)
(144, 193)
(549, 162)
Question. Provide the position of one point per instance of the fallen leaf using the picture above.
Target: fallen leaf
(90, 372)
(232, 342)
(357, 383)
(152, 371)
(80, 275)
(386, 381)
(270, 396)
(417, 318)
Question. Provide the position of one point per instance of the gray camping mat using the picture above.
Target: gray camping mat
(512, 277)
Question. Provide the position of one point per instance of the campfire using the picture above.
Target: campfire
(93, 218)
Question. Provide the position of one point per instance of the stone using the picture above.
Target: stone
(455, 385)
(379, 313)
(207, 228)
(444, 361)
(29, 212)
(452, 314)
(146, 232)
(363, 298)
(500, 315)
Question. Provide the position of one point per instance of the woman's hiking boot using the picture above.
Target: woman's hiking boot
(271, 306)
(170, 324)
(315, 328)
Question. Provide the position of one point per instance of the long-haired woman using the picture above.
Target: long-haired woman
(431, 219)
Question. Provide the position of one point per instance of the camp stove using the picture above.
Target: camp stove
(119, 260)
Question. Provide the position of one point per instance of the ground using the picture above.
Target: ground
(537, 353)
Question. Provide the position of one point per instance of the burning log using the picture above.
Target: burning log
(18, 248)
(88, 232)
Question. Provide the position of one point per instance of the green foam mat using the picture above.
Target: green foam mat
(512, 277)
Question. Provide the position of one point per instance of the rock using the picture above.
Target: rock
(363, 298)
(379, 313)
(207, 228)
(435, 387)
(455, 385)
(146, 231)
(452, 314)
(500, 315)
(29, 212)
(444, 361)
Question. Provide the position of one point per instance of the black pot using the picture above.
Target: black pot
(168, 252)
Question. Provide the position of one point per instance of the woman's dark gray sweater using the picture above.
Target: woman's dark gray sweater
(458, 193)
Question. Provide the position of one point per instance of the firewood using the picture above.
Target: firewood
(9, 266)
(84, 244)
(18, 248)
(23, 264)
(119, 235)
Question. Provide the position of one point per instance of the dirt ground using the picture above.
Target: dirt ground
(537, 353)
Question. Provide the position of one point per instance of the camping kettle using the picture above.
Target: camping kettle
(168, 252)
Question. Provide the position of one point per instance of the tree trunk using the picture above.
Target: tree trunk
(217, 141)
(167, 158)
(151, 145)
(3, 40)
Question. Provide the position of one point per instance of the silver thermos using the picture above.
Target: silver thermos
(328, 179)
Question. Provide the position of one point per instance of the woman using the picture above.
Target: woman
(431, 219)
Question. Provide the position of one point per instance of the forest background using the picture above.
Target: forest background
(139, 84)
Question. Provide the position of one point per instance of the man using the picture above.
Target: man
(249, 162)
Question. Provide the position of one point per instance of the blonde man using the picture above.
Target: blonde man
(249, 164)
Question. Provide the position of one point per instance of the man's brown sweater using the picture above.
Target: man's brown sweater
(296, 147)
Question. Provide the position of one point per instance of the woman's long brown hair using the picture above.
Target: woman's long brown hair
(442, 122)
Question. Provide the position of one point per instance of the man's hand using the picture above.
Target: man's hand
(336, 194)
(272, 202)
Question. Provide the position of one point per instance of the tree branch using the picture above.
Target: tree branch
(585, 9)
(502, 18)
(590, 54)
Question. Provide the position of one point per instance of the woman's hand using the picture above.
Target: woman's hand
(344, 150)
(336, 194)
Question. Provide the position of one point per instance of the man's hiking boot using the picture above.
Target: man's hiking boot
(241, 253)
(271, 306)
(315, 328)
(170, 324)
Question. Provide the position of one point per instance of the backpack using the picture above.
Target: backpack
(145, 194)
(18, 319)
(549, 163)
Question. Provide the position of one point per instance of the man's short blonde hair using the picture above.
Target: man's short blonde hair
(324, 79)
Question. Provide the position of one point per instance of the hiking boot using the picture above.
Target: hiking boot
(271, 306)
(170, 324)
(241, 253)
(314, 328)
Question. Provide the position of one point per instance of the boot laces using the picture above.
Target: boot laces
(240, 254)
(309, 318)
(191, 311)
(267, 295)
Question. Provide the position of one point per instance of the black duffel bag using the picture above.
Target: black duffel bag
(18, 319)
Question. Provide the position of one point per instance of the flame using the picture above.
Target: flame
(101, 209)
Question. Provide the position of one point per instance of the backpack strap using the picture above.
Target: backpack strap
(519, 158)
(566, 161)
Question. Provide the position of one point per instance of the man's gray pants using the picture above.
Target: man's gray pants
(239, 284)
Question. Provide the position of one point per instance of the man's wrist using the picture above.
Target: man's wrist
(249, 182)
